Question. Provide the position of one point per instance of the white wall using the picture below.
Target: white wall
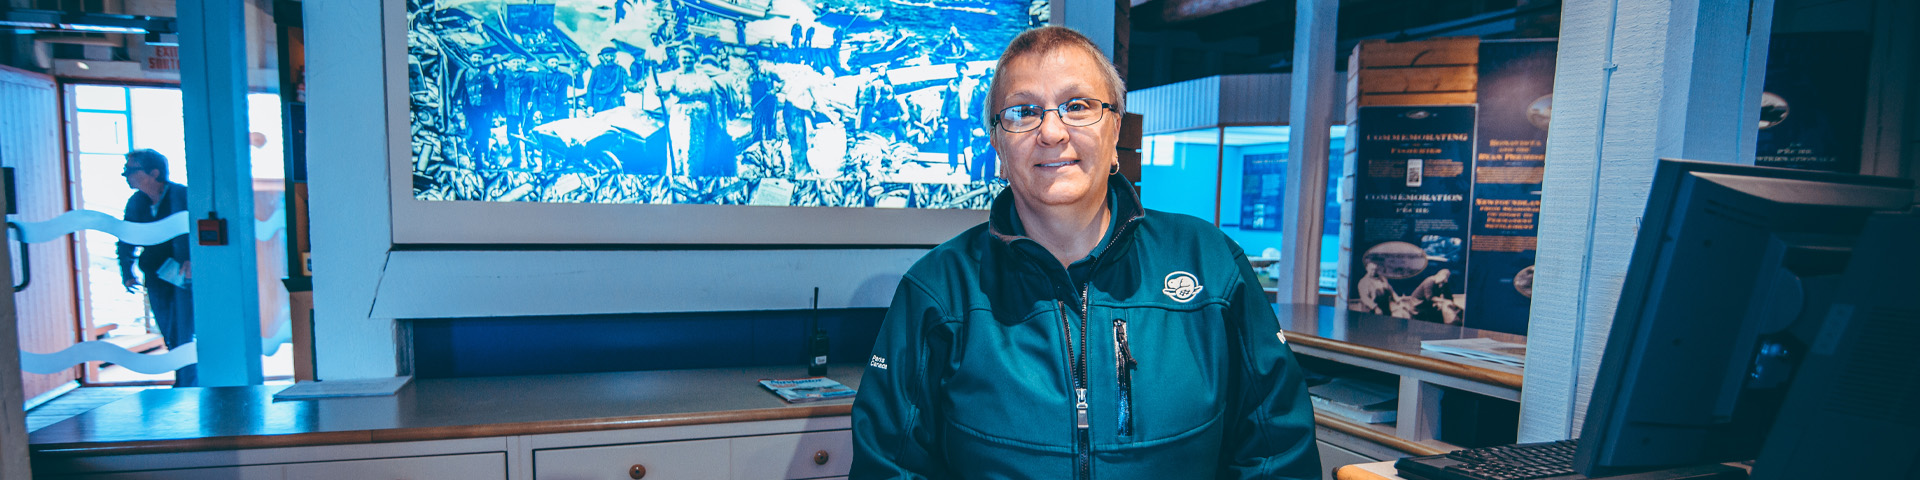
(1091, 17)
(1637, 80)
(348, 118)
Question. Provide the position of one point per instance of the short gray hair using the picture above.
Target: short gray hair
(150, 160)
(1046, 40)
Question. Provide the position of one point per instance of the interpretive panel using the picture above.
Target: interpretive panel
(1813, 109)
(829, 103)
(1263, 191)
(1516, 104)
(1412, 182)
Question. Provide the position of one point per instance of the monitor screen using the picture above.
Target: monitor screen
(776, 103)
(1730, 266)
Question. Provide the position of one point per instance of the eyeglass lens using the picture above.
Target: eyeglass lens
(1079, 112)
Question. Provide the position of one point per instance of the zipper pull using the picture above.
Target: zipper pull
(1080, 408)
(1120, 340)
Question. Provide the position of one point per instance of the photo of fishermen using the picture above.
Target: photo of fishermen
(851, 103)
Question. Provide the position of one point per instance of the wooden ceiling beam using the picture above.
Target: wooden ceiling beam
(1177, 11)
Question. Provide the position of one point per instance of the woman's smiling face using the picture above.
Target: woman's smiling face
(1056, 164)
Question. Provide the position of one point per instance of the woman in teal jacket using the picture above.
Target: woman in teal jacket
(1077, 335)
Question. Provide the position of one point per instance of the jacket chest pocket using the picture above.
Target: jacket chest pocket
(1167, 369)
(1009, 384)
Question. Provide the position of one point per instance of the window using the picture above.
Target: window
(1246, 167)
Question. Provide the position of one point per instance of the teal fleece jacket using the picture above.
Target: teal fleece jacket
(1158, 356)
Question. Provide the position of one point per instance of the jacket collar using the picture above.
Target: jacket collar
(1125, 207)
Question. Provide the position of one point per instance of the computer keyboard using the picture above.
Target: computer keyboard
(1526, 461)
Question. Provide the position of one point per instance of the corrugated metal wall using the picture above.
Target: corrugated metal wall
(1179, 106)
(1255, 99)
(30, 143)
(1251, 99)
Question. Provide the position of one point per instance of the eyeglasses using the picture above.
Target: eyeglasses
(1078, 112)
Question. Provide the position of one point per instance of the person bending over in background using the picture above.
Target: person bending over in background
(1076, 334)
(164, 265)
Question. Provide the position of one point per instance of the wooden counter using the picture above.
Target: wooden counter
(228, 418)
(1391, 340)
(1392, 345)
(579, 419)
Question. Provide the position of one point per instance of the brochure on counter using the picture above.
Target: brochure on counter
(1356, 400)
(810, 389)
(343, 388)
(1506, 354)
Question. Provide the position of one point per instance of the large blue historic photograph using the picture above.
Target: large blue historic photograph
(841, 103)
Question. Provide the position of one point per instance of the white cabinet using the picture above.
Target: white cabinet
(447, 467)
(257, 472)
(786, 449)
(689, 460)
(801, 455)
(805, 455)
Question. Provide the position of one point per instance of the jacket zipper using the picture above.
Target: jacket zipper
(1123, 367)
(1080, 388)
(1079, 365)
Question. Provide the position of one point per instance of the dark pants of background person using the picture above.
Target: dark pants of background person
(798, 122)
(956, 142)
(981, 167)
(173, 311)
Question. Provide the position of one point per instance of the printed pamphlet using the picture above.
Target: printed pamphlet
(1506, 354)
(810, 389)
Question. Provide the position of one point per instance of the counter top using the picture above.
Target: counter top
(223, 418)
(1390, 339)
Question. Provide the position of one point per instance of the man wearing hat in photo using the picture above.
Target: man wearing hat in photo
(608, 84)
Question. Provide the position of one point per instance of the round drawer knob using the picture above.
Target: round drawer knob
(820, 457)
(637, 471)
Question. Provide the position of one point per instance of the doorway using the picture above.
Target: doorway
(105, 122)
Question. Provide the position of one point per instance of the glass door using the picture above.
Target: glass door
(108, 121)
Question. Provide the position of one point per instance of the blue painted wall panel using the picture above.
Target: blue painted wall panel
(450, 348)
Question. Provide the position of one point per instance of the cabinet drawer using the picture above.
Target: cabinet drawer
(800, 455)
(257, 472)
(698, 459)
(449, 467)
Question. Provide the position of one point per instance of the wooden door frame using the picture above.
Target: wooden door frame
(69, 155)
(74, 374)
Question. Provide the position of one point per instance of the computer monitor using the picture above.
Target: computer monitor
(1729, 275)
(1855, 404)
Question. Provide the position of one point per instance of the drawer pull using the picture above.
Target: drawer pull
(637, 471)
(820, 457)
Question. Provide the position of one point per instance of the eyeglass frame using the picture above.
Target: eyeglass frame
(1105, 107)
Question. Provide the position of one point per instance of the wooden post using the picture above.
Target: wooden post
(1310, 114)
(213, 87)
(13, 415)
(1636, 81)
(1891, 144)
(1419, 410)
(1122, 34)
